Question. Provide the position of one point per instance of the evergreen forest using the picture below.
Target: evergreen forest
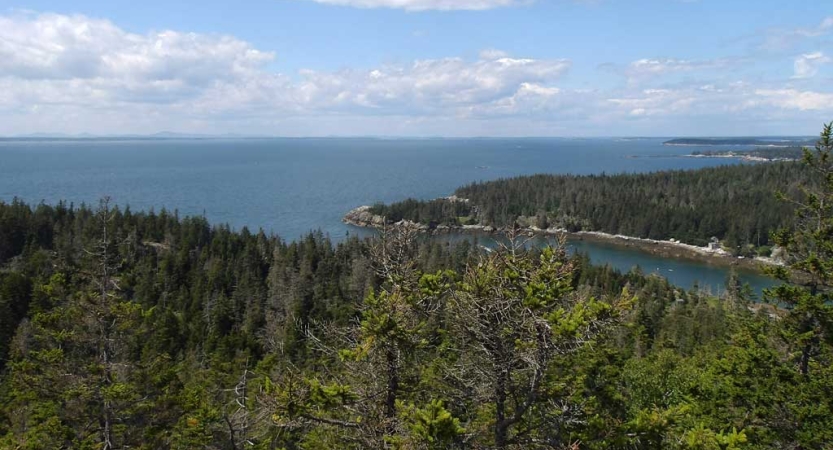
(146, 330)
(735, 203)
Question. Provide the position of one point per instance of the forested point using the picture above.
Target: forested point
(744, 141)
(150, 331)
(735, 203)
(759, 153)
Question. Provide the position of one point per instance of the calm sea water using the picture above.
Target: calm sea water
(292, 186)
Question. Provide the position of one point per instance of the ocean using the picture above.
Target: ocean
(293, 186)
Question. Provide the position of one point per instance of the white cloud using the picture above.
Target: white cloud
(648, 68)
(822, 28)
(807, 65)
(434, 85)
(780, 39)
(52, 46)
(651, 102)
(424, 5)
(73, 74)
(89, 72)
(493, 54)
(795, 99)
(61, 61)
(528, 99)
(659, 66)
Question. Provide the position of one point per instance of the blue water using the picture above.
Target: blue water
(292, 186)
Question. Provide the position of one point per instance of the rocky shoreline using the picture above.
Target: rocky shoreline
(742, 157)
(362, 217)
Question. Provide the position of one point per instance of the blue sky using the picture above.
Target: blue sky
(417, 67)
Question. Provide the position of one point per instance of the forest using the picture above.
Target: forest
(738, 204)
(146, 330)
(748, 141)
(765, 153)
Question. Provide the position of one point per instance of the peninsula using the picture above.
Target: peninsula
(759, 154)
(712, 253)
(724, 214)
(745, 141)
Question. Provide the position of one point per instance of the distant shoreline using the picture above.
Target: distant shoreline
(785, 145)
(744, 142)
(749, 158)
(361, 217)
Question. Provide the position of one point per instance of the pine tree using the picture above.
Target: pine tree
(74, 381)
(808, 275)
(358, 395)
(511, 317)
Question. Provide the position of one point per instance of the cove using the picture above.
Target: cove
(293, 186)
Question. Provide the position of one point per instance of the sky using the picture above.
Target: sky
(417, 67)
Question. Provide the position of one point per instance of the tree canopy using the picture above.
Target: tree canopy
(734, 203)
(140, 330)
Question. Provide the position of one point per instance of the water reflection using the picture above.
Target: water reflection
(681, 272)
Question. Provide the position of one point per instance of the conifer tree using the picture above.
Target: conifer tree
(358, 395)
(808, 274)
(74, 380)
(511, 316)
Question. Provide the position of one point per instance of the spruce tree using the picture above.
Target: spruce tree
(808, 273)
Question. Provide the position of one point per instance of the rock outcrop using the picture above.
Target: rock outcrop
(363, 217)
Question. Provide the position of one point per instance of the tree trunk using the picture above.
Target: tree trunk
(393, 383)
(500, 409)
(808, 349)
(106, 408)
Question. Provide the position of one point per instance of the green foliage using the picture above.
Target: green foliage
(702, 438)
(182, 335)
(732, 203)
(808, 293)
(431, 426)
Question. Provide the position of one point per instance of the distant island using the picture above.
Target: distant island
(164, 135)
(746, 141)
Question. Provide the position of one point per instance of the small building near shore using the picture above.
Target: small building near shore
(714, 244)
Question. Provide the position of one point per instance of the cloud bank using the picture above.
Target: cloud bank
(779, 39)
(72, 73)
(424, 5)
(807, 65)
